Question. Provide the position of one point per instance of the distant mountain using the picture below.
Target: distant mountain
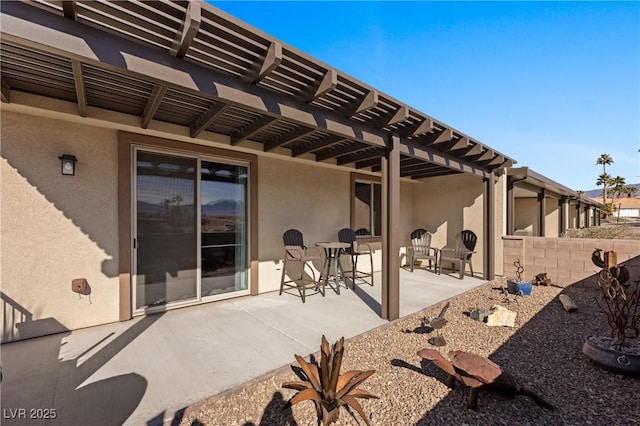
(213, 208)
(597, 193)
(223, 208)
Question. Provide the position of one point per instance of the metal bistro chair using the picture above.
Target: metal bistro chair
(461, 254)
(421, 248)
(348, 235)
(296, 257)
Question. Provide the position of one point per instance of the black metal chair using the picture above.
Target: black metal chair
(421, 248)
(296, 258)
(348, 235)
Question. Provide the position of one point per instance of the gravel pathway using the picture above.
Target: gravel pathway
(543, 351)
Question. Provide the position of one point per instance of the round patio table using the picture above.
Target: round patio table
(332, 252)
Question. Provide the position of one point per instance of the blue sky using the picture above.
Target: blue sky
(550, 84)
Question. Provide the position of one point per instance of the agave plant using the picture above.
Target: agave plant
(326, 387)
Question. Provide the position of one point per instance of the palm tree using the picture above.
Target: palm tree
(604, 160)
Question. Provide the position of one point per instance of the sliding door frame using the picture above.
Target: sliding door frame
(126, 143)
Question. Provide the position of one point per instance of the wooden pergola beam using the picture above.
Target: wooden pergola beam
(371, 162)
(70, 9)
(319, 144)
(5, 90)
(328, 82)
(252, 130)
(398, 117)
(271, 60)
(298, 133)
(207, 119)
(81, 95)
(438, 136)
(188, 30)
(360, 155)
(369, 102)
(423, 127)
(153, 103)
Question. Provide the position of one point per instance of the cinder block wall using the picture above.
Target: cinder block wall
(565, 260)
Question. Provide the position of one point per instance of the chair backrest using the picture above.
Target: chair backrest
(293, 237)
(421, 240)
(347, 235)
(465, 242)
(469, 239)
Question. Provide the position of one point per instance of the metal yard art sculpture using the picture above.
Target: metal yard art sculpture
(326, 387)
(477, 373)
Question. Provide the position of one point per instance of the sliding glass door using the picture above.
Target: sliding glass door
(190, 229)
(223, 207)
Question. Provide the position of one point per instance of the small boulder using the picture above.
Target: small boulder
(479, 314)
(501, 317)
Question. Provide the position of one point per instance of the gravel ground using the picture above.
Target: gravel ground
(543, 351)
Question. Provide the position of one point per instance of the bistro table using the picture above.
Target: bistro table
(332, 251)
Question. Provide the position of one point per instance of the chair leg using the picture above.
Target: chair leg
(470, 266)
(354, 263)
(412, 262)
(371, 270)
(462, 268)
(284, 267)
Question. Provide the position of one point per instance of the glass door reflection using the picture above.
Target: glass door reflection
(223, 228)
(166, 260)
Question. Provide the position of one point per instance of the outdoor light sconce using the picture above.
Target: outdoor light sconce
(68, 164)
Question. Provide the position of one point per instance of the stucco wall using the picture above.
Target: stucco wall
(552, 218)
(56, 228)
(526, 215)
(314, 200)
(445, 205)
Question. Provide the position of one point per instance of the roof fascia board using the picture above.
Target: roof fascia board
(29, 26)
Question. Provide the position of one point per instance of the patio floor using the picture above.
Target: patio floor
(144, 371)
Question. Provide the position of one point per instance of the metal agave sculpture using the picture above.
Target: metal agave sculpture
(326, 387)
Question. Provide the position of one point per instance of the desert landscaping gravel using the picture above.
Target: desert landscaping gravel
(543, 351)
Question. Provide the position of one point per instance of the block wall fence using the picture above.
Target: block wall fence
(565, 260)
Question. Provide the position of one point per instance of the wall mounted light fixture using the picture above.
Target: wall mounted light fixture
(68, 164)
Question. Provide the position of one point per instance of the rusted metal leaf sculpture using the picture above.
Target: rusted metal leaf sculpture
(326, 387)
(478, 372)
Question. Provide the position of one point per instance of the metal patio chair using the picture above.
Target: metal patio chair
(461, 254)
(297, 259)
(421, 248)
(354, 251)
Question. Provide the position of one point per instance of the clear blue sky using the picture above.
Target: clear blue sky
(550, 84)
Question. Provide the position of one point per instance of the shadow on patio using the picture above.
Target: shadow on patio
(146, 370)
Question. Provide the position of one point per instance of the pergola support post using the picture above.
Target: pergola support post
(391, 230)
(542, 210)
(511, 201)
(489, 227)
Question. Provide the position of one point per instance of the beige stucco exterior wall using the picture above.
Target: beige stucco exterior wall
(526, 215)
(552, 217)
(314, 200)
(445, 205)
(56, 228)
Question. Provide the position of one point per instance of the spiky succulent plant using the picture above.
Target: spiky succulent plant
(326, 387)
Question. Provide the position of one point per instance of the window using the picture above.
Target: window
(367, 208)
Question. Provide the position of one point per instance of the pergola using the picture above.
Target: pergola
(190, 64)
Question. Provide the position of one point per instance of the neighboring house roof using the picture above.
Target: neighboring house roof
(624, 202)
(191, 64)
(529, 179)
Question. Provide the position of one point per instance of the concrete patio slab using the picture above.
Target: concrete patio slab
(144, 371)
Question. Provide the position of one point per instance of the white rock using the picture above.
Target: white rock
(501, 316)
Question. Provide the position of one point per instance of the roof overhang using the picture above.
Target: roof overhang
(190, 64)
(531, 183)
